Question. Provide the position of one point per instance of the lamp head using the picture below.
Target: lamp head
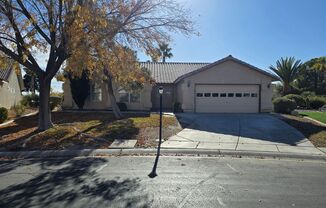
(160, 90)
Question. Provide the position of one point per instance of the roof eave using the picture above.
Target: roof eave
(228, 58)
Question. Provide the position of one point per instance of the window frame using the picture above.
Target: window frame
(199, 93)
(246, 94)
(129, 95)
(255, 95)
(93, 91)
(238, 95)
(207, 94)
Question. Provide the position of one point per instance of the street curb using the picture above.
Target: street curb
(178, 152)
(15, 119)
(314, 120)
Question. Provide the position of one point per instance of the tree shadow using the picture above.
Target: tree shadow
(66, 183)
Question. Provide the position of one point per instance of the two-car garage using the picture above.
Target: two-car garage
(222, 98)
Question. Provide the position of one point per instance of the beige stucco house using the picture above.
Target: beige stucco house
(228, 85)
(11, 85)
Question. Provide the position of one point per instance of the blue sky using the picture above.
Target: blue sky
(256, 31)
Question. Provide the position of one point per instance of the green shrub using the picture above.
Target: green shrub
(122, 106)
(177, 107)
(54, 102)
(308, 94)
(19, 109)
(299, 100)
(316, 102)
(31, 101)
(3, 114)
(284, 105)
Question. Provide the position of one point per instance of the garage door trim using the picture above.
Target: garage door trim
(259, 92)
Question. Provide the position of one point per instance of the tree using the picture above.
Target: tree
(165, 51)
(287, 70)
(31, 81)
(32, 26)
(94, 31)
(313, 77)
(80, 88)
(121, 27)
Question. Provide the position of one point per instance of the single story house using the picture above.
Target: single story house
(228, 85)
(11, 86)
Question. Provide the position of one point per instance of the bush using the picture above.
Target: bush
(3, 114)
(299, 100)
(308, 94)
(31, 101)
(177, 107)
(122, 106)
(316, 102)
(284, 105)
(19, 109)
(54, 102)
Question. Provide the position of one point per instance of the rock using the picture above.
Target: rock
(295, 113)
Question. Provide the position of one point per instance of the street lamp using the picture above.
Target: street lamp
(153, 173)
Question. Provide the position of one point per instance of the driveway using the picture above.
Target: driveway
(242, 132)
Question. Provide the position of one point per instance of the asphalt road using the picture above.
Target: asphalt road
(181, 182)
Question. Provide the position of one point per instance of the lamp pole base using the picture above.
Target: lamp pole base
(152, 174)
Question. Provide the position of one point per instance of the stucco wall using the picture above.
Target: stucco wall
(228, 72)
(104, 104)
(10, 93)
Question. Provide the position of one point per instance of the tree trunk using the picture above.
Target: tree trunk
(115, 109)
(33, 84)
(286, 88)
(44, 119)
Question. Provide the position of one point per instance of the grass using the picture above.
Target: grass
(317, 115)
(83, 130)
(310, 129)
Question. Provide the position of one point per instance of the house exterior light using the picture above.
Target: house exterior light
(160, 90)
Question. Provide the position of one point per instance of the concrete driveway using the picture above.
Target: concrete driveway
(242, 132)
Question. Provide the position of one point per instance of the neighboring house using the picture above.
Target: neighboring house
(11, 85)
(225, 86)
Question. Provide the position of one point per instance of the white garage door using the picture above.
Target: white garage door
(227, 98)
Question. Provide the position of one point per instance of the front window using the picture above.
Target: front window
(96, 92)
(129, 97)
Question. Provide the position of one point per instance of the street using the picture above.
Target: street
(181, 182)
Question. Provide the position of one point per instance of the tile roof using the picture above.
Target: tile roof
(170, 71)
(5, 73)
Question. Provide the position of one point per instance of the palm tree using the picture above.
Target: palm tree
(165, 51)
(288, 70)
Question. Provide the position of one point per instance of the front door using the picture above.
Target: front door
(167, 99)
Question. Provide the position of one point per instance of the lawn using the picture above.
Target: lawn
(317, 115)
(78, 130)
(310, 129)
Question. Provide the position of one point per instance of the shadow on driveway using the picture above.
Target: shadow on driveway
(264, 127)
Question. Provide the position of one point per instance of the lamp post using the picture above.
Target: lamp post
(153, 173)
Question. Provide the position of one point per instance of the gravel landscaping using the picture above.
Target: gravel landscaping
(80, 130)
(312, 130)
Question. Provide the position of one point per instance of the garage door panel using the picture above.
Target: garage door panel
(238, 98)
